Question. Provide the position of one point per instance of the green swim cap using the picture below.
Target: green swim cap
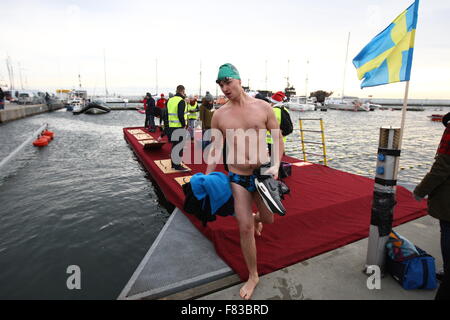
(227, 70)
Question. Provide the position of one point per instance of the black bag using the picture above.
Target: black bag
(285, 170)
(286, 125)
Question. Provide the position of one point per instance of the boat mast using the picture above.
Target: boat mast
(200, 90)
(156, 73)
(104, 68)
(345, 66)
(287, 78)
(10, 72)
(20, 75)
(306, 81)
(79, 77)
(266, 75)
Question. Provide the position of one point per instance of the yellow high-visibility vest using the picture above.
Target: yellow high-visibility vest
(277, 112)
(193, 115)
(172, 111)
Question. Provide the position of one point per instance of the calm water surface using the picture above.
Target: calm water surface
(85, 200)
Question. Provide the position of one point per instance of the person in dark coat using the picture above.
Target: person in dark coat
(436, 184)
(2, 99)
(47, 99)
(206, 113)
(150, 113)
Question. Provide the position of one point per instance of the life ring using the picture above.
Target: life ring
(40, 142)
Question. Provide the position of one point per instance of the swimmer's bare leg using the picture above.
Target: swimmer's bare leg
(246, 221)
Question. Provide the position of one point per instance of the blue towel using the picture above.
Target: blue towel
(216, 185)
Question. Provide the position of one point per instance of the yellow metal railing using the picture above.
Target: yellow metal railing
(322, 144)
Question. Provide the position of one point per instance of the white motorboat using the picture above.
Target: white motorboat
(76, 104)
(346, 104)
(300, 104)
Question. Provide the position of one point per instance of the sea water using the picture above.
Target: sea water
(85, 200)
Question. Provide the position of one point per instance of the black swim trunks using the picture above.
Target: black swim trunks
(248, 182)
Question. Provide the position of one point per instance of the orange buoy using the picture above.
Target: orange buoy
(40, 142)
(48, 133)
(46, 137)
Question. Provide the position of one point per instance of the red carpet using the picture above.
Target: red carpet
(326, 209)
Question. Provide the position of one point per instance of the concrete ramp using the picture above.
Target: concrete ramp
(180, 258)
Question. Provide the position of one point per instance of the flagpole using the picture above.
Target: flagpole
(402, 126)
(405, 104)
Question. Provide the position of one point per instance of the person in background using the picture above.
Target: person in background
(150, 114)
(206, 113)
(2, 99)
(192, 115)
(47, 99)
(176, 117)
(436, 184)
(161, 104)
(275, 102)
(144, 101)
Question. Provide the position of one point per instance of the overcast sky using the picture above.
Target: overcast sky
(54, 41)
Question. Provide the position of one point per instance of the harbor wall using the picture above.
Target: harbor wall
(18, 112)
(413, 102)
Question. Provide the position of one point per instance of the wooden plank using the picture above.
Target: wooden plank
(205, 289)
(135, 131)
(143, 136)
(166, 166)
(183, 180)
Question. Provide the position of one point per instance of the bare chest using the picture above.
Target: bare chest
(248, 119)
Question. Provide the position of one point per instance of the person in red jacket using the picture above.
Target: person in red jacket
(161, 103)
(144, 101)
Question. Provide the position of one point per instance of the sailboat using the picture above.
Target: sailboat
(297, 103)
(346, 103)
(107, 98)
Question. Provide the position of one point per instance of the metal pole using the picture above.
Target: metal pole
(384, 196)
(303, 139)
(322, 128)
(402, 125)
(345, 65)
(26, 142)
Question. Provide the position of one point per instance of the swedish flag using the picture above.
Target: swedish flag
(388, 57)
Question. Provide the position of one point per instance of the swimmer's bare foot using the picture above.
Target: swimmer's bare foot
(246, 291)
(258, 224)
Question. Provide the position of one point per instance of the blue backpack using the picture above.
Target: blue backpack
(416, 271)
